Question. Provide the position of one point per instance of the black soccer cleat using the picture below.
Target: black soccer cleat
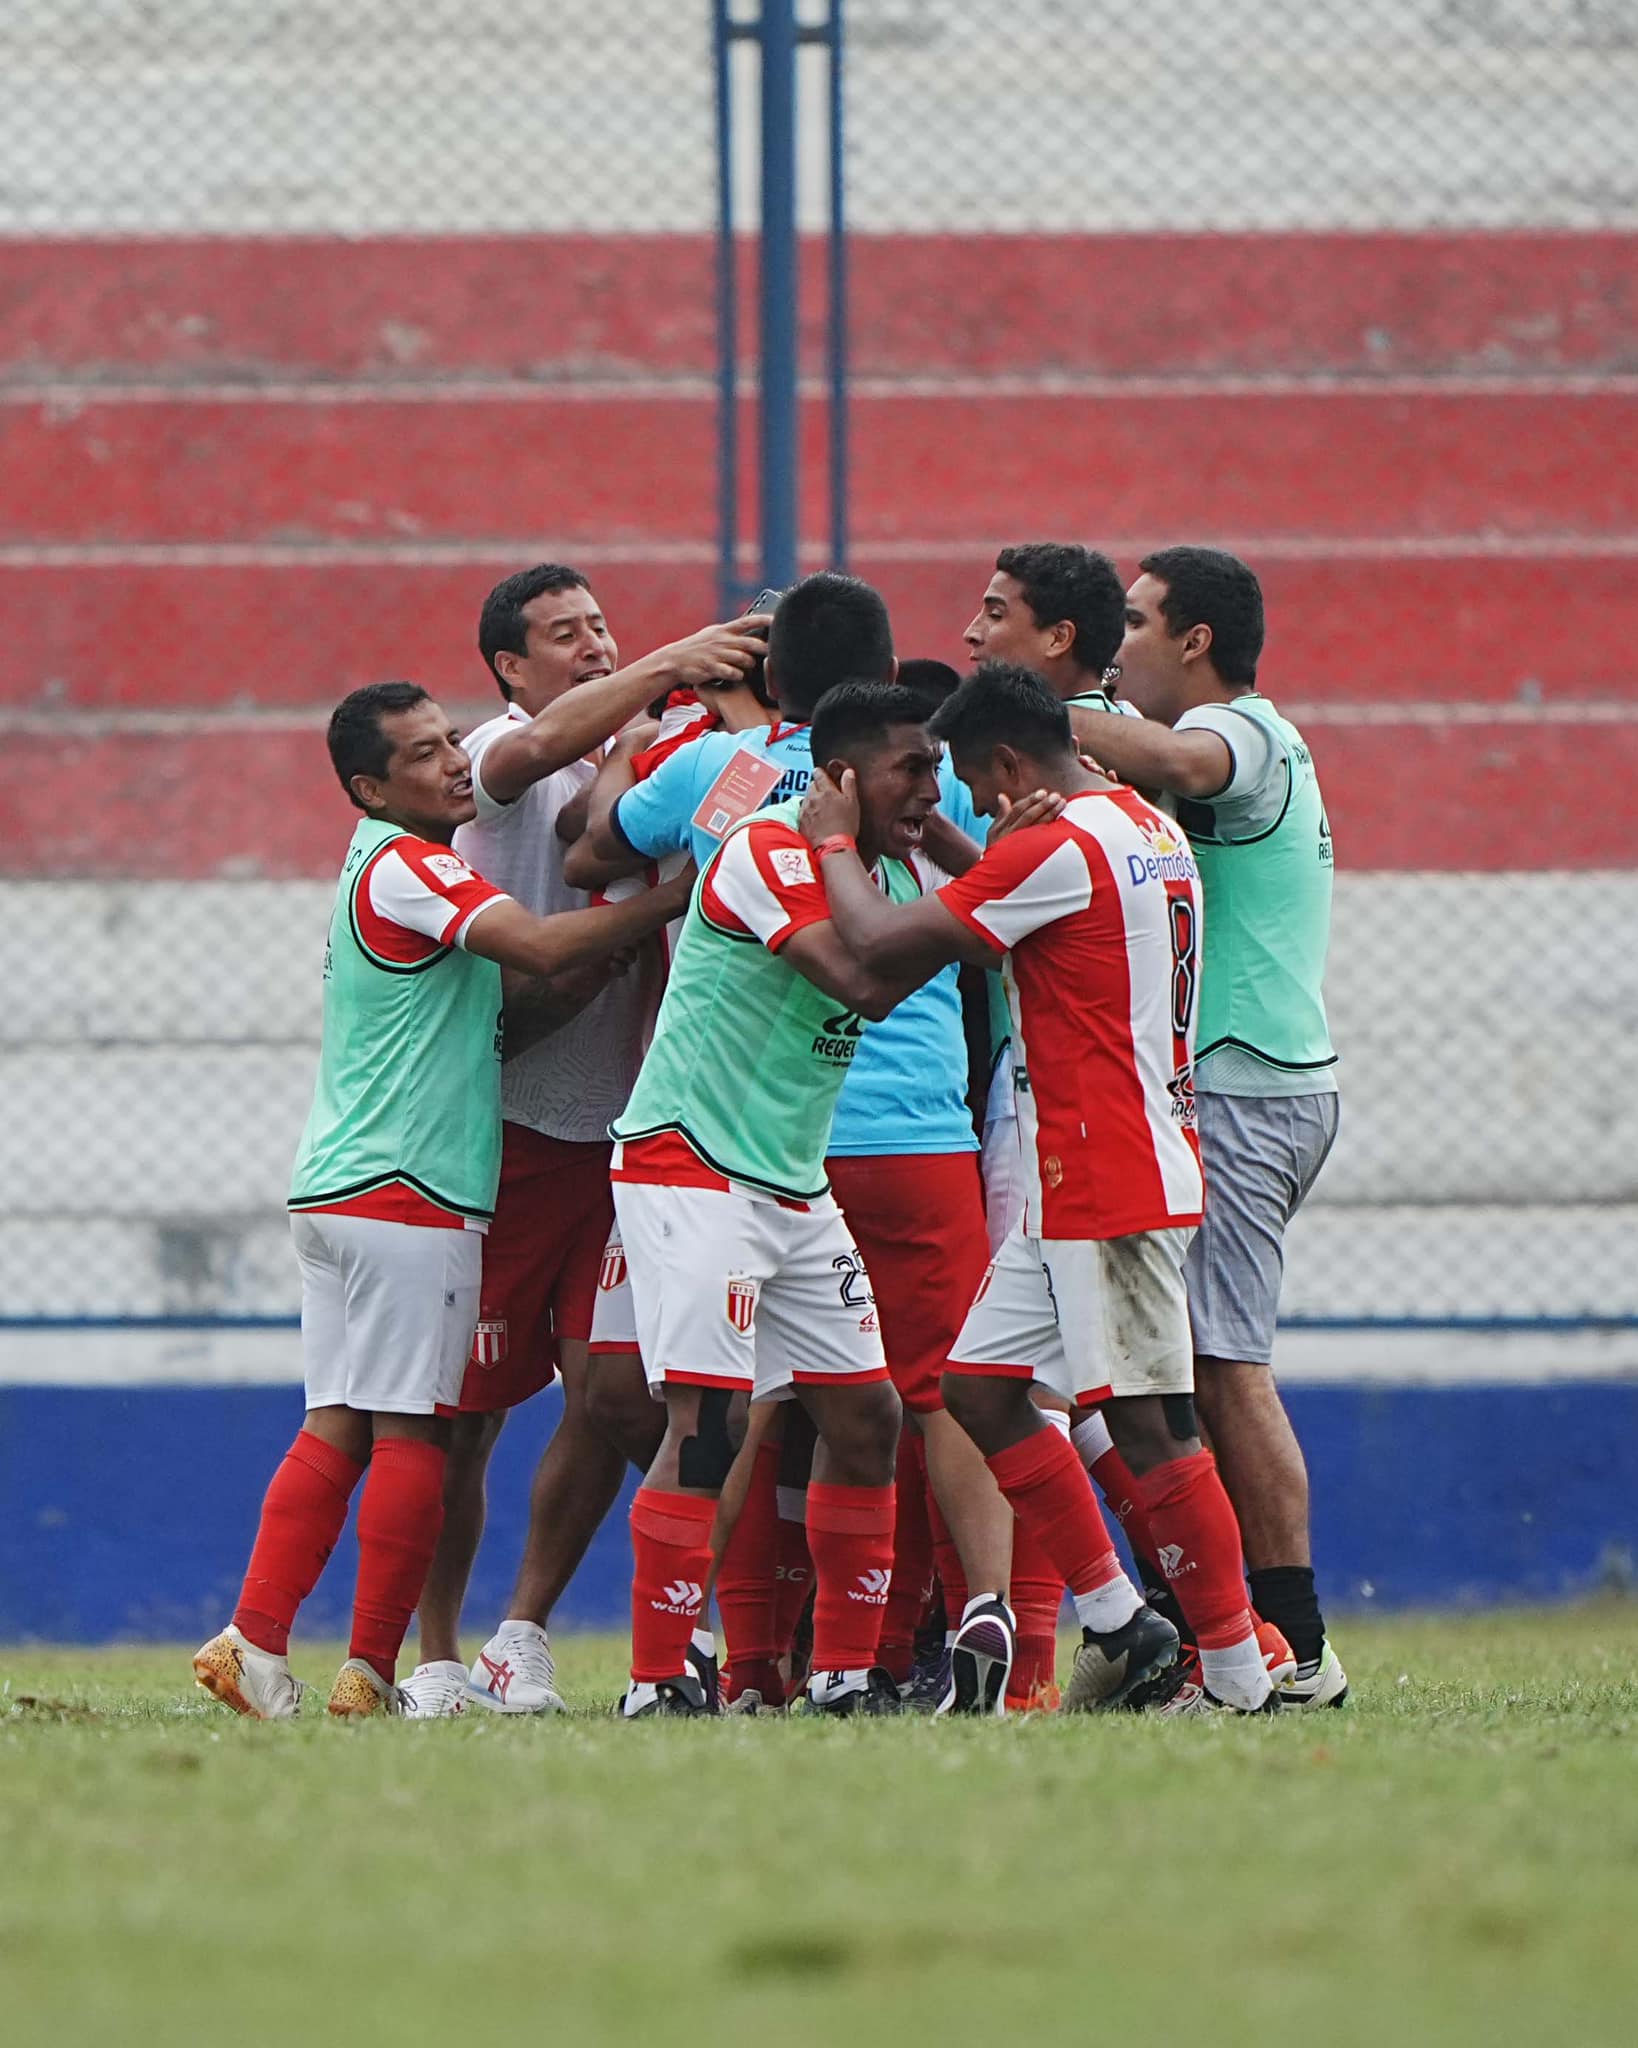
(830, 1692)
(1132, 1666)
(981, 1660)
(670, 1696)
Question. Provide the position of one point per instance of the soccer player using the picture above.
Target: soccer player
(901, 1155)
(1058, 609)
(393, 1187)
(549, 652)
(1097, 914)
(1247, 795)
(744, 1274)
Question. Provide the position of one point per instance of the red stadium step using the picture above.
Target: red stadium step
(243, 803)
(277, 633)
(1297, 462)
(1148, 305)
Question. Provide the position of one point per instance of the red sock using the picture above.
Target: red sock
(912, 1559)
(850, 1532)
(747, 1586)
(952, 1574)
(1198, 1544)
(793, 1571)
(1052, 1497)
(1119, 1486)
(1037, 1594)
(302, 1514)
(671, 1555)
(400, 1513)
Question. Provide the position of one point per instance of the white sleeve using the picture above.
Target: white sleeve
(477, 745)
(433, 893)
(1252, 798)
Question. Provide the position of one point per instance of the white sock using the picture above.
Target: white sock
(984, 1600)
(1091, 1439)
(1237, 1676)
(1059, 1419)
(832, 1682)
(1109, 1606)
(703, 1641)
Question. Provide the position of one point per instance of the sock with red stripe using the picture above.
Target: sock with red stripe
(747, 1587)
(400, 1513)
(671, 1557)
(302, 1516)
(1037, 1594)
(1198, 1541)
(952, 1574)
(793, 1570)
(912, 1560)
(1052, 1498)
(850, 1533)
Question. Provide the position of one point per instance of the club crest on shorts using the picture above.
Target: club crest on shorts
(742, 1305)
(612, 1273)
(489, 1342)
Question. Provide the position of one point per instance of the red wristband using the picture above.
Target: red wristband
(838, 842)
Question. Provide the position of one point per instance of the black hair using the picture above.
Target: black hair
(1206, 587)
(502, 628)
(358, 746)
(932, 682)
(1061, 581)
(1001, 704)
(856, 715)
(826, 628)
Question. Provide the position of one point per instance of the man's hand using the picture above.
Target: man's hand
(1040, 807)
(677, 892)
(830, 809)
(722, 655)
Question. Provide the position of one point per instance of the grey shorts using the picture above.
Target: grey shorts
(1262, 1153)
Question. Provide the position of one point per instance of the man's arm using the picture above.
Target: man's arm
(534, 1007)
(506, 932)
(601, 855)
(1150, 755)
(584, 717)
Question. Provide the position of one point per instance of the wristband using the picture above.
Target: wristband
(838, 842)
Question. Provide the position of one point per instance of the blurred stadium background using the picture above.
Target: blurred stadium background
(316, 318)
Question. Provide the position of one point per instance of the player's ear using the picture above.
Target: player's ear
(366, 792)
(1197, 642)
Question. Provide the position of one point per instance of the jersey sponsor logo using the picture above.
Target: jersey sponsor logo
(489, 1342)
(1183, 1107)
(857, 1291)
(612, 1273)
(1325, 855)
(1052, 1170)
(1168, 858)
(742, 1305)
(838, 1036)
(449, 868)
(792, 865)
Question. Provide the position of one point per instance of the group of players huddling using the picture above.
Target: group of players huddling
(814, 1065)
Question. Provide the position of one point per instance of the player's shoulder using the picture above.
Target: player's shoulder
(431, 860)
(488, 730)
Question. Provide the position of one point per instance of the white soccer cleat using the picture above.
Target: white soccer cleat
(252, 1682)
(514, 1673)
(1325, 1685)
(360, 1692)
(433, 1692)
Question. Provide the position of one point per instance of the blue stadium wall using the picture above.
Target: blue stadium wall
(127, 1512)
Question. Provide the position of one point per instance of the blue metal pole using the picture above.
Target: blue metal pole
(836, 329)
(729, 590)
(778, 288)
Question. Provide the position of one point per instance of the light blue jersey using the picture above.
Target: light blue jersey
(907, 1088)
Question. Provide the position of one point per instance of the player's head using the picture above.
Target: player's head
(398, 755)
(1194, 630)
(1053, 607)
(827, 629)
(1008, 735)
(540, 632)
(932, 682)
(877, 730)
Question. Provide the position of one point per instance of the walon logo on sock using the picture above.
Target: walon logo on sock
(875, 1586)
(1171, 1560)
(682, 1598)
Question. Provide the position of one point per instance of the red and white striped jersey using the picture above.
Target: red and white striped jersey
(1099, 914)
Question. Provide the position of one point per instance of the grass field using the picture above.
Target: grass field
(1452, 1859)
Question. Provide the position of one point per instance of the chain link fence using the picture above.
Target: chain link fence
(316, 319)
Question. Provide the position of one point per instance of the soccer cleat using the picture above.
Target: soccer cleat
(514, 1673)
(1132, 1666)
(853, 1692)
(252, 1682)
(702, 1663)
(1279, 1659)
(669, 1696)
(1321, 1684)
(981, 1659)
(360, 1691)
(923, 1691)
(1192, 1698)
(433, 1692)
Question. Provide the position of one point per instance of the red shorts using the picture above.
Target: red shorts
(540, 1259)
(918, 1220)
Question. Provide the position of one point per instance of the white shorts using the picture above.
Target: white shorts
(614, 1314)
(732, 1291)
(1090, 1318)
(387, 1312)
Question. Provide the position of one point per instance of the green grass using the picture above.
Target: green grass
(1453, 1859)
